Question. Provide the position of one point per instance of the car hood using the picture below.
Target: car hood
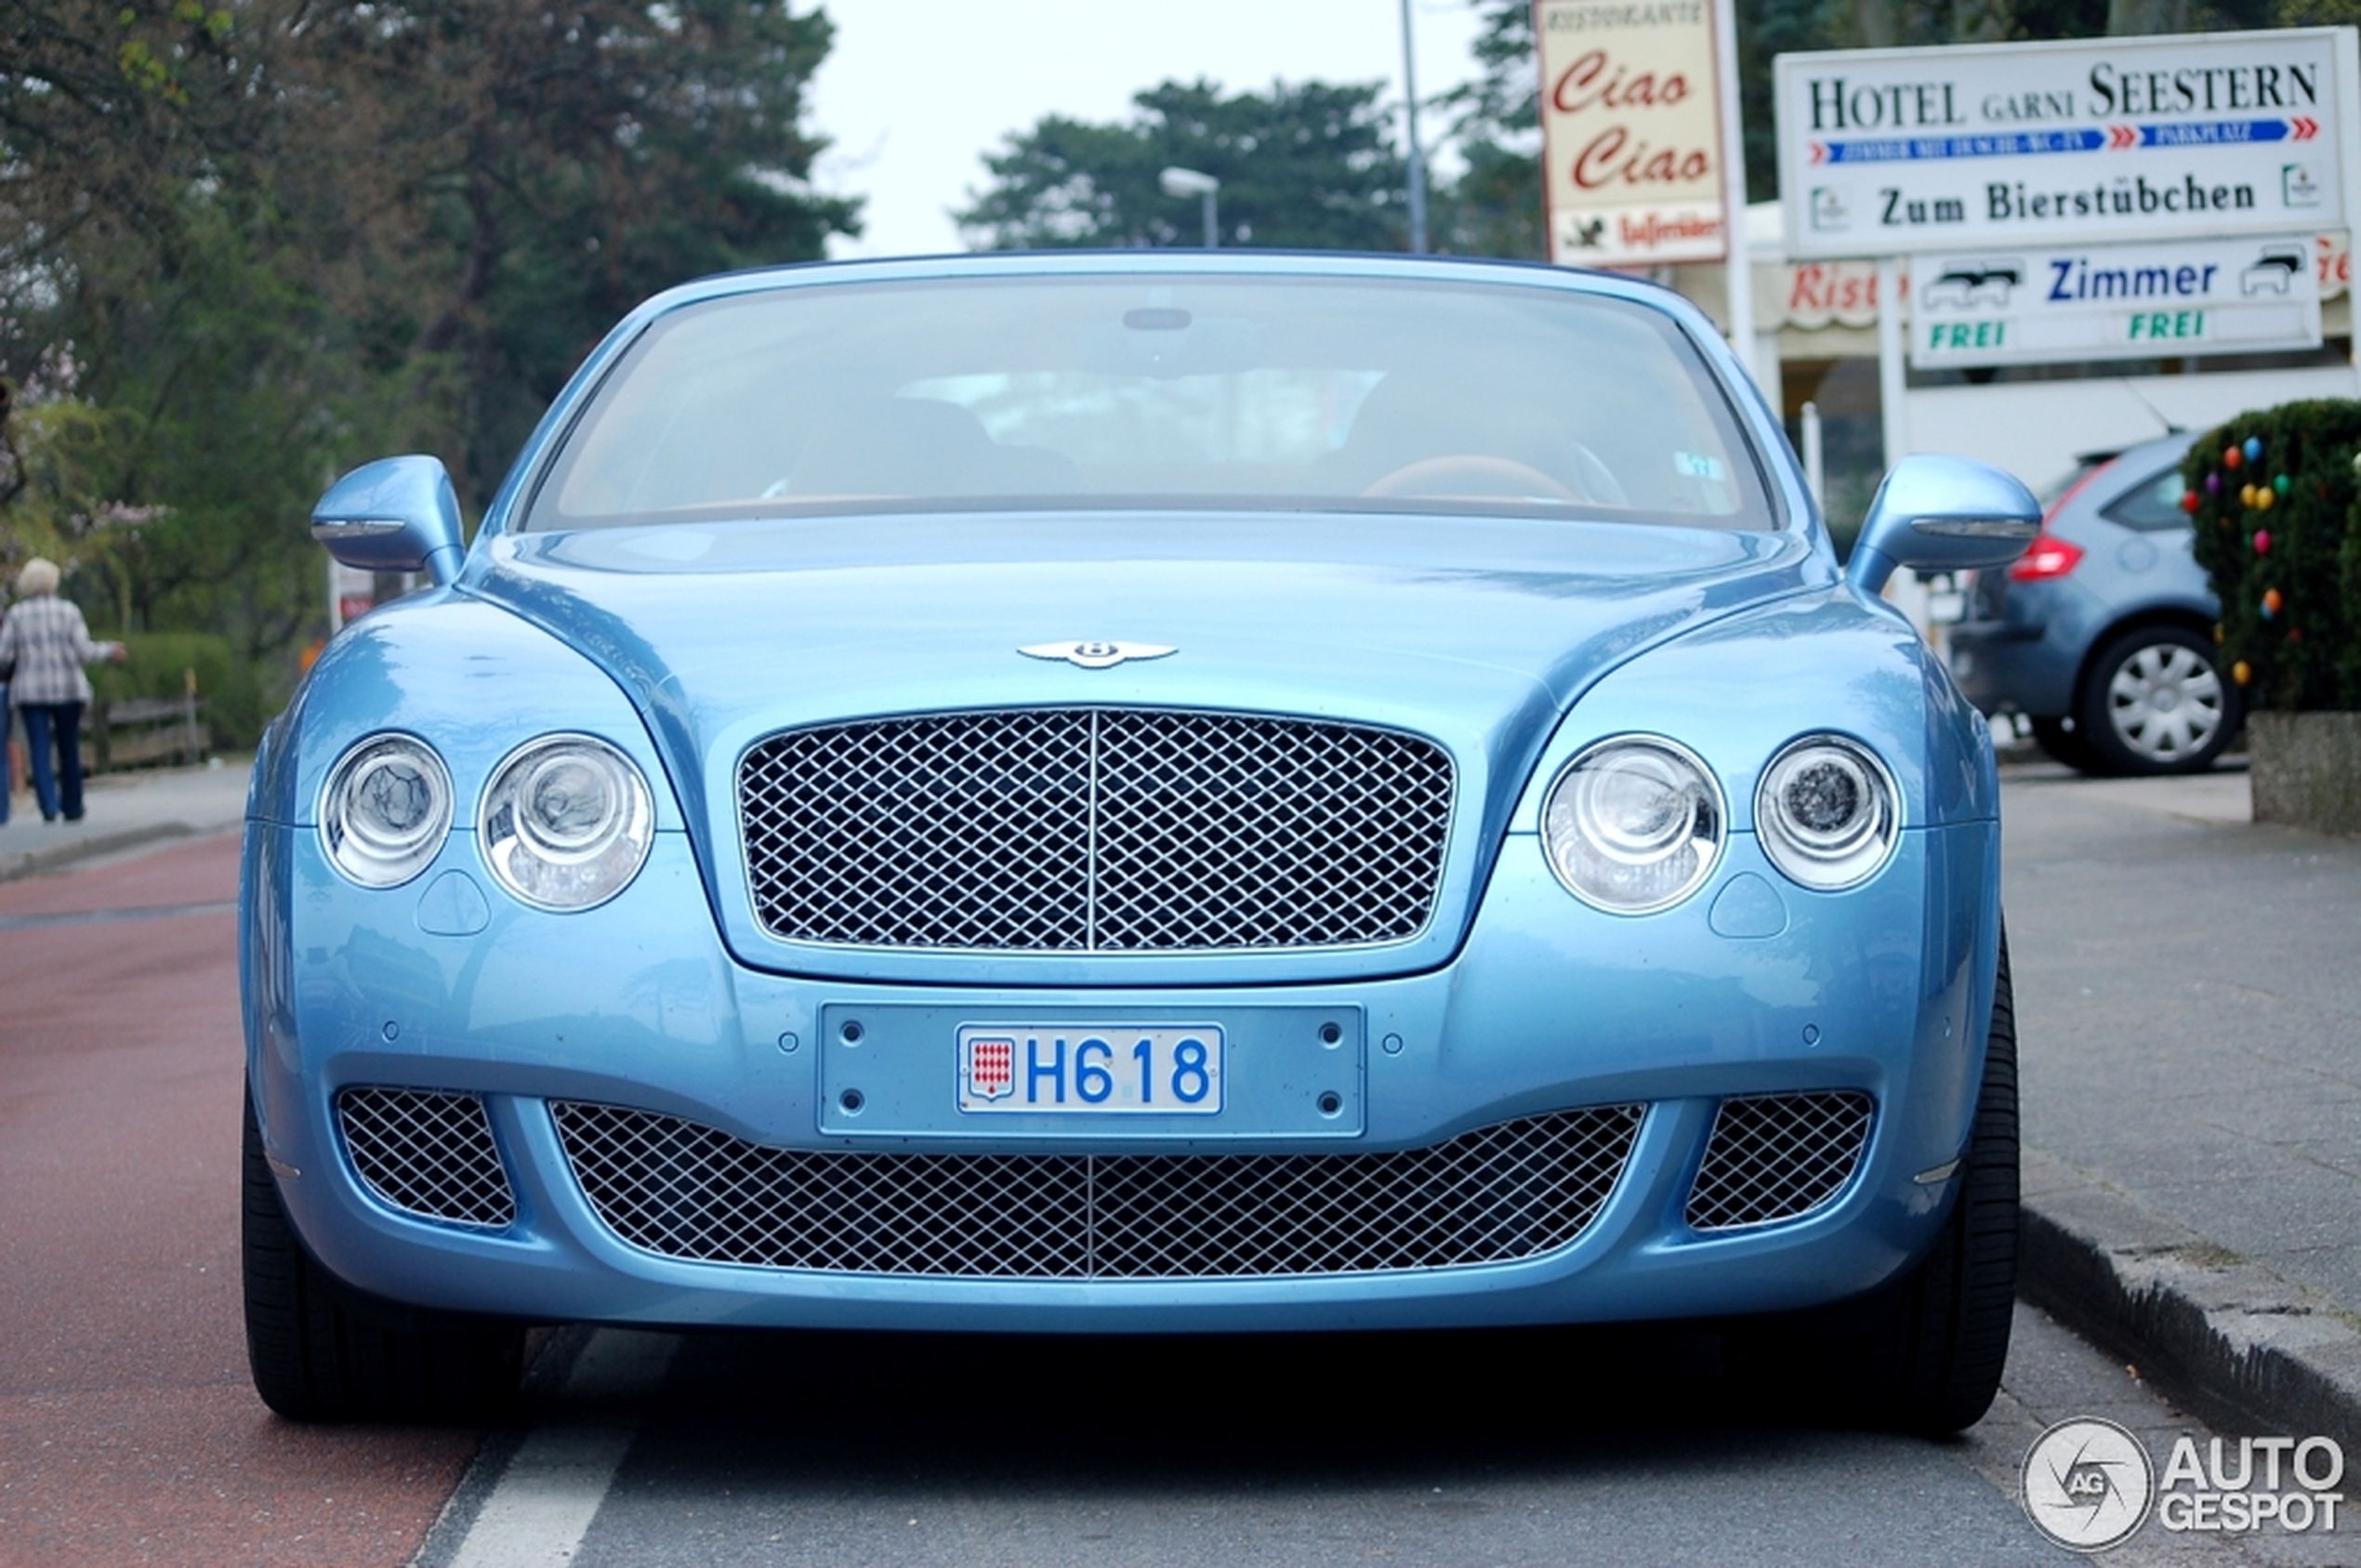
(1478, 634)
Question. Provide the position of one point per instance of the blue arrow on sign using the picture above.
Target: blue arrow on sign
(2019, 144)
(2213, 133)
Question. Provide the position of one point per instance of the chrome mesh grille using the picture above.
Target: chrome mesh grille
(1094, 830)
(1499, 1192)
(428, 1152)
(1777, 1156)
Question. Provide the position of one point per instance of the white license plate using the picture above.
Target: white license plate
(1156, 1069)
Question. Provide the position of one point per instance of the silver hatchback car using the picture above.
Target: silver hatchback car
(2102, 634)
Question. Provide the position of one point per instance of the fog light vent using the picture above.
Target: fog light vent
(428, 1152)
(1778, 1157)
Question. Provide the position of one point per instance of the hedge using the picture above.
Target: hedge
(157, 667)
(2275, 495)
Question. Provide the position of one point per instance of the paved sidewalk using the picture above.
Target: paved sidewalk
(124, 810)
(2189, 1017)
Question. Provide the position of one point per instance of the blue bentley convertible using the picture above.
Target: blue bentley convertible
(1133, 792)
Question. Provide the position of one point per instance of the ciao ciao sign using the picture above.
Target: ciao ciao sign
(1631, 123)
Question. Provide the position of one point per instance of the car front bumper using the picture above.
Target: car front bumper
(1752, 987)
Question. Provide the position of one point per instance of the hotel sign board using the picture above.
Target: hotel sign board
(1631, 132)
(2097, 141)
(2035, 305)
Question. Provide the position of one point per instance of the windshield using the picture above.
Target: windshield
(1158, 392)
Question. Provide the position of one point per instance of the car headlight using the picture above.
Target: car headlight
(567, 822)
(387, 810)
(1827, 813)
(1633, 824)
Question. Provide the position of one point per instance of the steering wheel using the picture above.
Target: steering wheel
(1504, 478)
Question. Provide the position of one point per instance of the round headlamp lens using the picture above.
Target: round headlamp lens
(387, 810)
(1633, 824)
(567, 805)
(1828, 814)
(567, 822)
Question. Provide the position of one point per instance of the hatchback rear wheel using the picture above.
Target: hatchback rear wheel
(2062, 740)
(2156, 701)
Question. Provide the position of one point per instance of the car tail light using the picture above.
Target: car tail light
(2049, 557)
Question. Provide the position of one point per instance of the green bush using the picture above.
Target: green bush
(2275, 499)
(157, 667)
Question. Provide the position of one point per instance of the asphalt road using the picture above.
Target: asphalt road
(129, 1433)
(851, 1450)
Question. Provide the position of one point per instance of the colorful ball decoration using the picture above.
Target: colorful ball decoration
(2262, 541)
(2254, 448)
(2241, 672)
(2280, 484)
(2188, 501)
(2214, 481)
(2264, 497)
(2271, 602)
(2232, 457)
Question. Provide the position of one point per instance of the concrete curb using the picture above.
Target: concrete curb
(2230, 1340)
(35, 861)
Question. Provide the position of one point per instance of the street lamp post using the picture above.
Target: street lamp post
(1417, 151)
(1191, 182)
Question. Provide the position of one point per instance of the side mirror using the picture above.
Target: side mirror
(398, 514)
(1942, 514)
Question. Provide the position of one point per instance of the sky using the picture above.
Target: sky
(915, 92)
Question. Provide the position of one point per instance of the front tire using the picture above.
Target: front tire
(2156, 701)
(322, 1352)
(1944, 1340)
(1923, 1354)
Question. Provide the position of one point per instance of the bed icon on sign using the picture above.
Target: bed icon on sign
(992, 1067)
(1985, 279)
(2273, 272)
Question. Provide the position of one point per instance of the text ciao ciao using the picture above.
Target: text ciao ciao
(1617, 154)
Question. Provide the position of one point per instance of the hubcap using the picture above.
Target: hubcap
(2164, 702)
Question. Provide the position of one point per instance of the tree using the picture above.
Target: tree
(1310, 167)
(1495, 208)
(551, 167)
(243, 245)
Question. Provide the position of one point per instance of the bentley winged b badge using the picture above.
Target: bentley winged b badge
(1095, 655)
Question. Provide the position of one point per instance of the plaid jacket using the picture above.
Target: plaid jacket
(50, 642)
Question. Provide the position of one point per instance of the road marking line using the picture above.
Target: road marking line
(104, 917)
(545, 1500)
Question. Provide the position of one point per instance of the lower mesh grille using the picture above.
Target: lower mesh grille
(428, 1152)
(1492, 1196)
(1777, 1156)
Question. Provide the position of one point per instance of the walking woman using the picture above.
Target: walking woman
(47, 640)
